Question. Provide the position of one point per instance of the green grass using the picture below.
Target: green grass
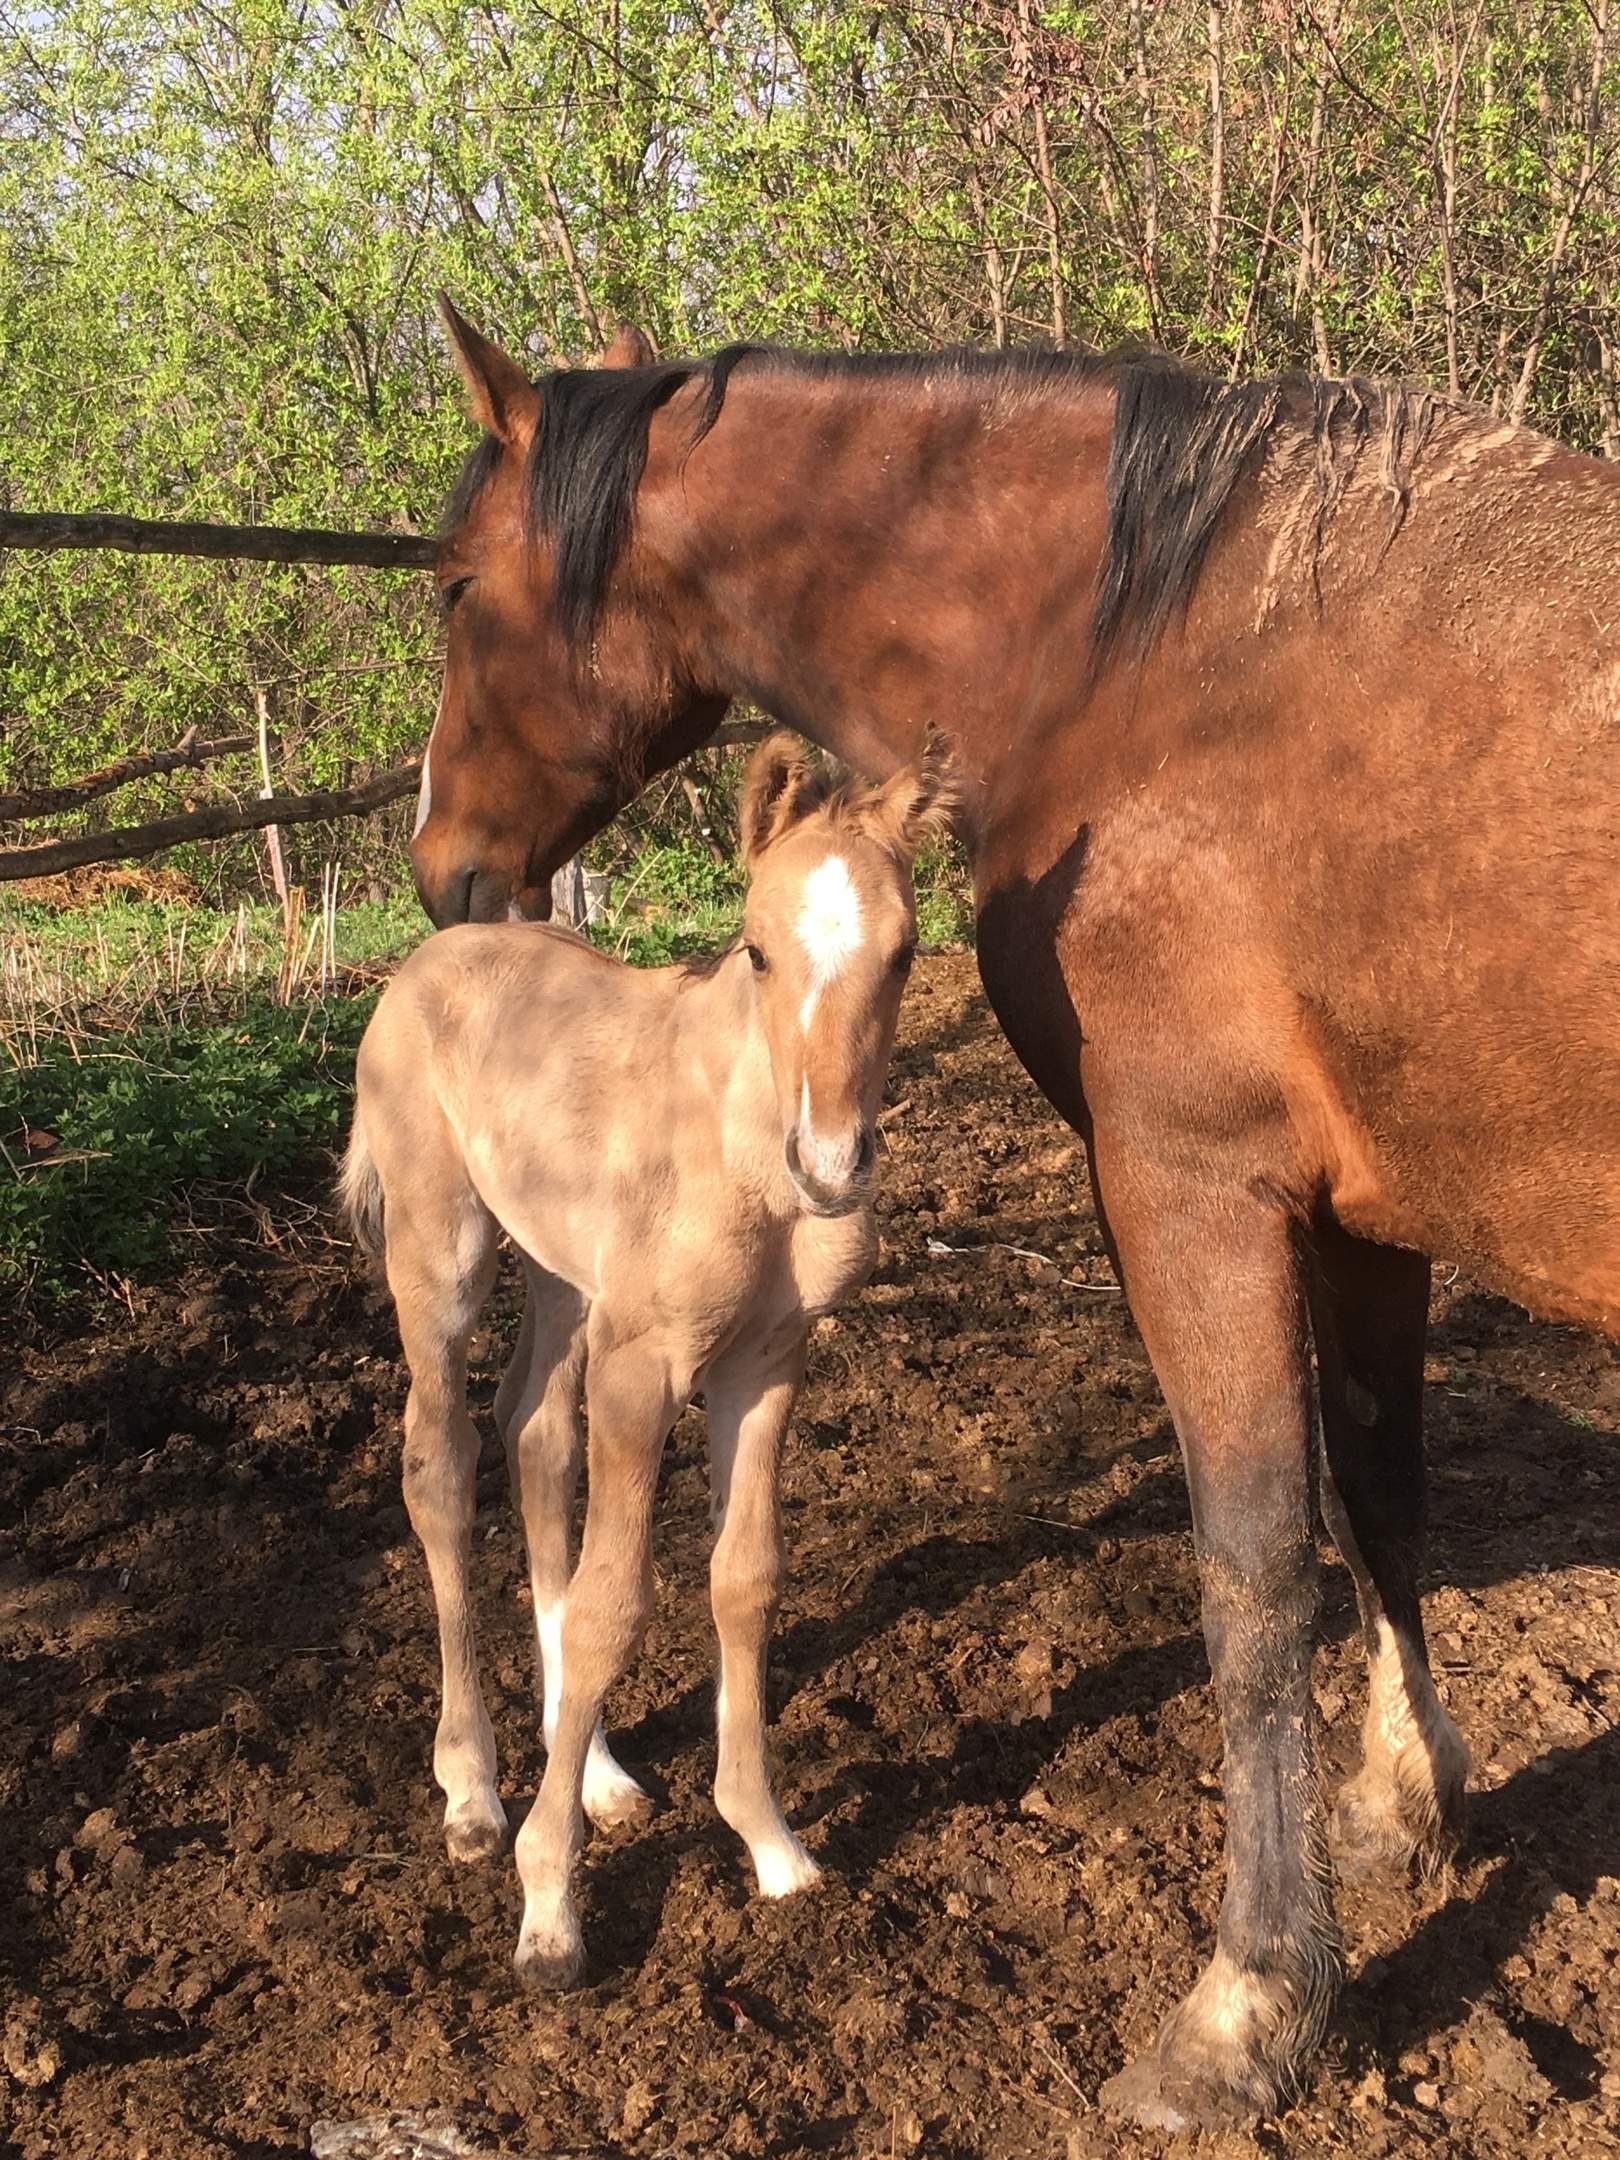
(177, 1054)
(146, 1119)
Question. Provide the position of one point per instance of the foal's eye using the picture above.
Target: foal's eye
(756, 959)
(452, 592)
(903, 959)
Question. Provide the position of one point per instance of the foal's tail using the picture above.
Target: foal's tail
(360, 1194)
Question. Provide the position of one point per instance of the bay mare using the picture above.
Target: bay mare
(1287, 716)
(683, 1158)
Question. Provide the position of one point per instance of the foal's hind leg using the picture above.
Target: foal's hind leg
(633, 1397)
(441, 1263)
(749, 1408)
(1369, 1307)
(538, 1411)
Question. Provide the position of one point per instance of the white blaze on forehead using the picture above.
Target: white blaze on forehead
(424, 799)
(829, 925)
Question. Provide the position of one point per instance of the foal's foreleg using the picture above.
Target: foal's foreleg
(538, 1411)
(749, 1408)
(633, 1401)
(1369, 1306)
(441, 1263)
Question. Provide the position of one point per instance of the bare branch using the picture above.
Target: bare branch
(72, 794)
(132, 842)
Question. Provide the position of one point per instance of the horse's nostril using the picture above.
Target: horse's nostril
(790, 1154)
(865, 1152)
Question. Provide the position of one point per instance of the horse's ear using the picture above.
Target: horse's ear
(776, 777)
(628, 347)
(922, 798)
(502, 397)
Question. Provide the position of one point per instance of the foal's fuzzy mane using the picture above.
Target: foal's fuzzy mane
(1182, 443)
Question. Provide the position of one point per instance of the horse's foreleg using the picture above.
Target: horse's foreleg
(1369, 1306)
(632, 1402)
(441, 1262)
(749, 1408)
(538, 1411)
(1215, 1280)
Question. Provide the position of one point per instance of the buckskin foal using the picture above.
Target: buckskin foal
(683, 1158)
(1289, 720)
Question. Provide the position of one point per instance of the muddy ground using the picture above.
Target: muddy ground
(224, 1909)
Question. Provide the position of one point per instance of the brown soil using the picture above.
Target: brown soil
(225, 1912)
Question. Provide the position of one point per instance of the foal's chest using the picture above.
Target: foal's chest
(830, 1257)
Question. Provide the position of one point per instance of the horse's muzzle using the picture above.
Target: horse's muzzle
(482, 896)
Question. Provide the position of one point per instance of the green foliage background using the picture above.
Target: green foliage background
(221, 229)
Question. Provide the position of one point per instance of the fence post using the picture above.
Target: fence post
(568, 894)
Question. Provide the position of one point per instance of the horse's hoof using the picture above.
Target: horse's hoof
(1160, 2094)
(549, 1968)
(473, 1833)
(1374, 1839)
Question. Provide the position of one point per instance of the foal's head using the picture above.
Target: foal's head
(829, 930)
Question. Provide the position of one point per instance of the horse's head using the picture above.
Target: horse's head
(829, 929)
(563, 689)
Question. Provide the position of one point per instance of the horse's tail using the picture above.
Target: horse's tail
(360, 1194)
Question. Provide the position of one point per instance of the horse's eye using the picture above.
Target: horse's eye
(903, 959)
(756, 959)
(452, 592)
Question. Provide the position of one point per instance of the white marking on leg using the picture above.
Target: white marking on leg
(610, 1791)
(1411, 1743)
(424, 798)
(548, 1621)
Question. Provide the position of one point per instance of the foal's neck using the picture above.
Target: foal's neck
(718, 1017)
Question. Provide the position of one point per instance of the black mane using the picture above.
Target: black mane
(1182, 442)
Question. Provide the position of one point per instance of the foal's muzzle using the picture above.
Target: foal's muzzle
(837, 1183)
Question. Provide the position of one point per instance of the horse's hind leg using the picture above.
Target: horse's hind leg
(749, 1407)
(538, 1412)
(1369, 1307)
(441, 1263)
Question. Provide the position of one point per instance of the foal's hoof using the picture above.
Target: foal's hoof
(1161, 2093)
(472, 1832)
(612, 1798)
(549, 1968)
(784, 1868)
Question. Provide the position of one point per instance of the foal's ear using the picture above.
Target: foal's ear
(628, 347)
(777, 776)
(922, 798)
(502, 397)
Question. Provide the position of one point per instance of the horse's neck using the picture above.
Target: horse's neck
(939, 564)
